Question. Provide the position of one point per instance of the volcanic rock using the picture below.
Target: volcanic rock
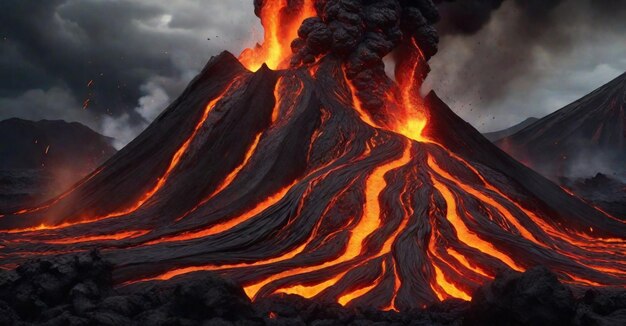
(605, 192)
(531, 298)
(362, 33)
(275, 180)
(78, 290)
(586, 137)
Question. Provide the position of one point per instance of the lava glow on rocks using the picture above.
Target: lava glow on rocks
(360, 210)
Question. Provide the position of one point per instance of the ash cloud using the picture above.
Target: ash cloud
(138, 53)
(362, 33)
(488, 65)
(465, 16)
(504, 61)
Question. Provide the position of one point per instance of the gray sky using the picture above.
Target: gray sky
(140, 54)
(524, 63)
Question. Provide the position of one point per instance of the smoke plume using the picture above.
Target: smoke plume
(362, 33)
(503, 61)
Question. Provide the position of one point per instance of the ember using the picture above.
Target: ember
(295, 181)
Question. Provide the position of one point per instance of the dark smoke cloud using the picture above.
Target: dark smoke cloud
(139, 54)
(49, 50)
(362, 33)
(519, 58)
(465, 16)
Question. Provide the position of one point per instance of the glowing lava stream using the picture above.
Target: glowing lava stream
(228, 180)
(448, 289)
(558, 237)
(251, 150)
(60, 197)
(160, 181)
(289, 255)
(105, 237)
(368, 224)
(260, 207)
(279, 31)
(345, 299)
(230, 223)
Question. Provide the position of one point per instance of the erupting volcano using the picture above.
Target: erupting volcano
(304, 169)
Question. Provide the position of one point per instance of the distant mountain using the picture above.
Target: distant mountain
(42, 158)
(497, 135)
(579, 140)
(49, 144)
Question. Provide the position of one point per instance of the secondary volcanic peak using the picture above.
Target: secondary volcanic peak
(588, 132)
(284, 182)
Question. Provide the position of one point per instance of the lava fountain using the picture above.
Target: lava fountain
(323, 178)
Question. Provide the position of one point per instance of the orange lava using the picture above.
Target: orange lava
(463, 232)
(367, 225)
(413, 118)
(104, 237)
(233, 174)
(346, 298)
(228, 224)
(281, 27)
(160, 182)
(445, 264)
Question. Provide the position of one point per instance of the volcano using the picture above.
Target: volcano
(497, 135)
(584, 138)
(288, 180)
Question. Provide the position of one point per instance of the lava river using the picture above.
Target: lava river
(280, 180)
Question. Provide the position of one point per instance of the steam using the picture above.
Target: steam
(123, 129)
(503, 61)
(155, 100)
(586, 164)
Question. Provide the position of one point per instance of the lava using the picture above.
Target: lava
(280, 26)
(326, 198)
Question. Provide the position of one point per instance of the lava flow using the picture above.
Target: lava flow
(304, 181)
(280, 22)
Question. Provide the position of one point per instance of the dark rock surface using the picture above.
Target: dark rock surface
(604, 191)
(535, 297)
(77, 290)
(583, 138)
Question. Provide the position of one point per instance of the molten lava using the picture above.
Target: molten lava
(284, 182)
(280, 25)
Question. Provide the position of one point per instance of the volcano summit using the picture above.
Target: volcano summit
(295, 181)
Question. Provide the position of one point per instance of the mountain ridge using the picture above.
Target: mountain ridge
(581, 139)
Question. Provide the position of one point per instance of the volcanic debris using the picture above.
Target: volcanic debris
(77, 290)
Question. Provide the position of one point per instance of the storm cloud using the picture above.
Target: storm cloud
(125, 60)
(515, 59)
(112, 65)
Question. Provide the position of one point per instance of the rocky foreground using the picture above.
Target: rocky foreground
(77, 290)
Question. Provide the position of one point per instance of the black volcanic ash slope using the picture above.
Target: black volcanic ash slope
(579, 140)
(77, 290)
(273, 179)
